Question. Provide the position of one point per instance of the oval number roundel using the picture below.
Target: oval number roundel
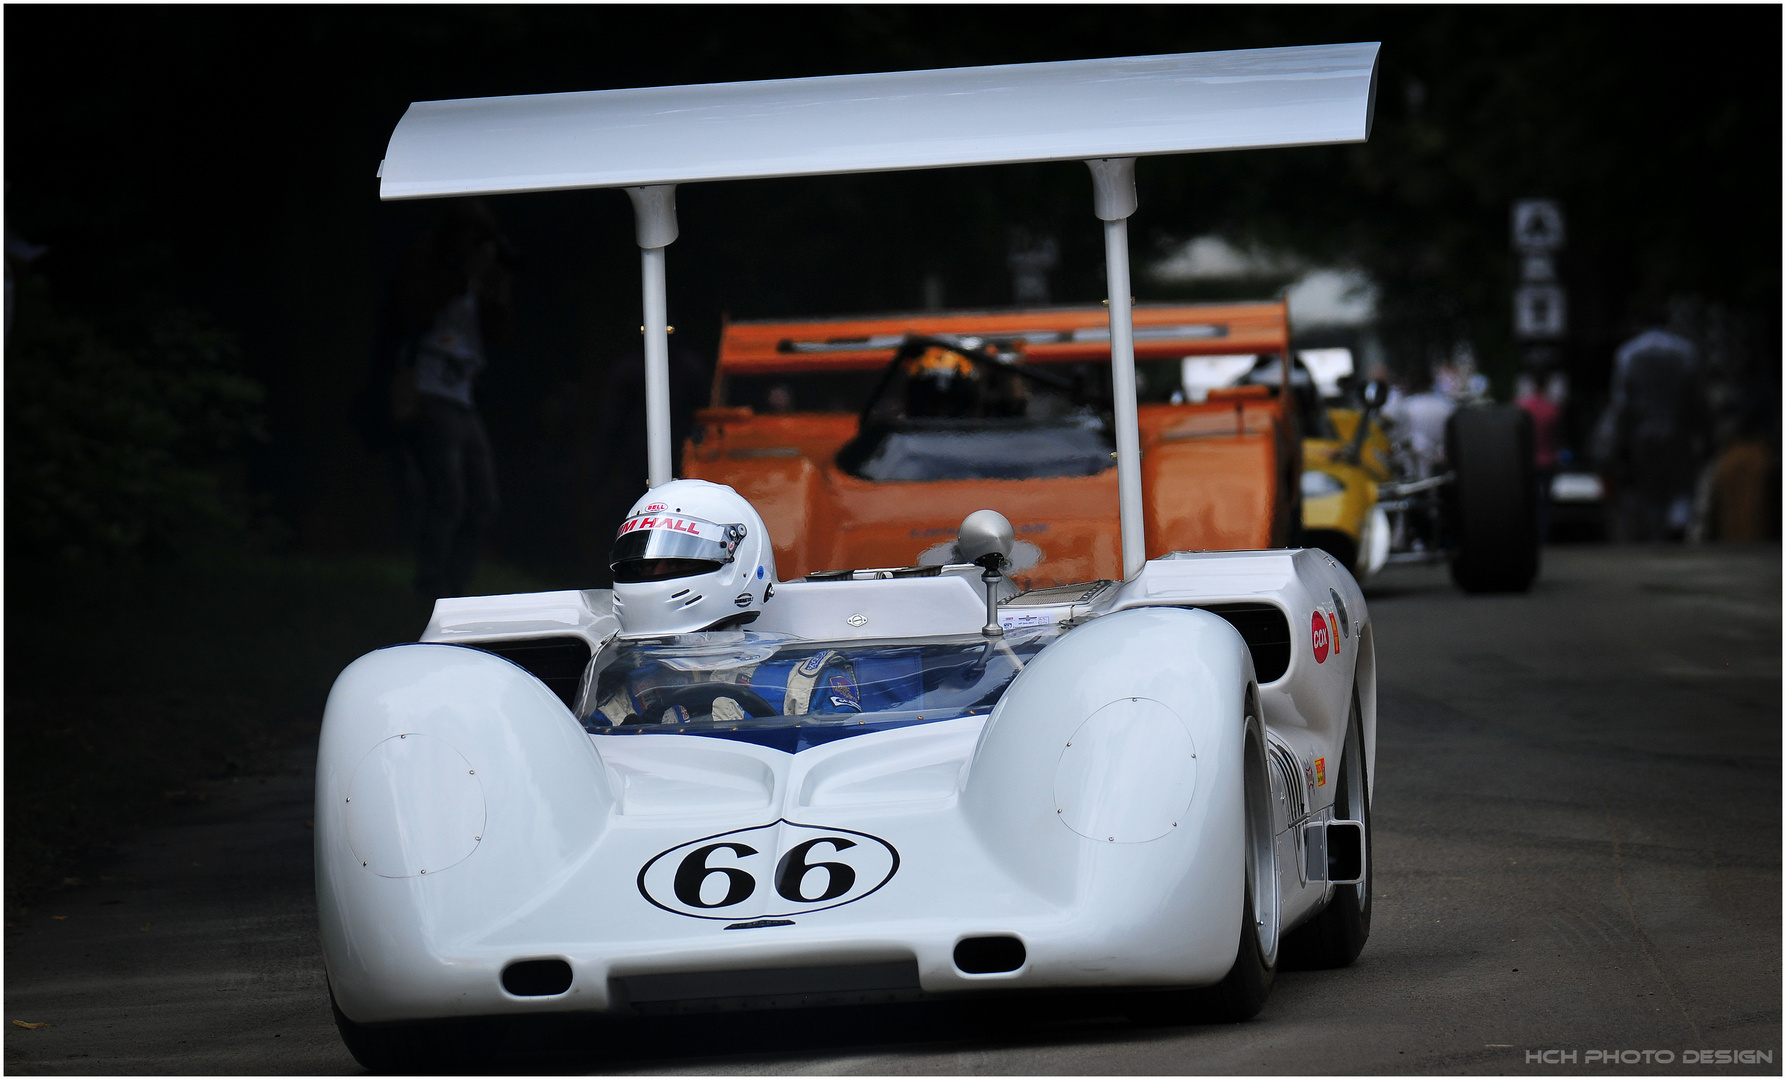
(770, 871)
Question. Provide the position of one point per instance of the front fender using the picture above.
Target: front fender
(1086, 792)
(451, 786)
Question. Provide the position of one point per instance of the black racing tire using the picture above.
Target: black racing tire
(1242, 992)
(426, 1046)
(1335, 937)
(1343, 548)
(1493, 505)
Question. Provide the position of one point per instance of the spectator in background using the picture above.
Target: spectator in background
(1546, 410)
(1651, 438)
(20, 253)
(449, 302)
(1742, 486)
(1419, 416)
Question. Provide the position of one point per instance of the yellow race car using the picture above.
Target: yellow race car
(1370, 501)
(1342, 469)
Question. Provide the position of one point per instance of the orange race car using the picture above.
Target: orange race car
(865, 441)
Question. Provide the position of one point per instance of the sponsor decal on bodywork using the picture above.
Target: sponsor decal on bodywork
(768, 872)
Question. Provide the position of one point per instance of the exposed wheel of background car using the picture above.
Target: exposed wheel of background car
(1494, 503)
(1242, 993)
(1336, 936)
(440, 1046)
(1342, 547)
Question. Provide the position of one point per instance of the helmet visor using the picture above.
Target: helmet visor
(654, 547)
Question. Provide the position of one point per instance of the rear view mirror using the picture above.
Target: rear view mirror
(986, 539)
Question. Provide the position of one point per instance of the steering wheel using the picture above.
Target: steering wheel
(698, 699)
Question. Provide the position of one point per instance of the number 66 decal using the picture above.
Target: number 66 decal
(770, 871)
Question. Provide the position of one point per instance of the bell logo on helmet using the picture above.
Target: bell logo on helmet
(742, 599)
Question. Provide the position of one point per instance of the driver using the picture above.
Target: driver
(692, 557)
(942, 382)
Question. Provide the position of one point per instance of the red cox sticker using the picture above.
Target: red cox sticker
(1322, 638)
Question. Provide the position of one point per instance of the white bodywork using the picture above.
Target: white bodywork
(1071, 110)
(465, 820)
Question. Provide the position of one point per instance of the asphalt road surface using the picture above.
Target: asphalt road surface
(1578, 843)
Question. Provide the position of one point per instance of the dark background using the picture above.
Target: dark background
(184, 355)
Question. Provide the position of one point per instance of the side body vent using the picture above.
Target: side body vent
(1289, 795)
(556, 661)
(1267, 636)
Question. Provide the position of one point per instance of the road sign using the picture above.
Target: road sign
(1537, 225)
(1540, 312)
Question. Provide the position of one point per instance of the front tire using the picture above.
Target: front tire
(1336, 936)
(438, 1046)
(1242, 992)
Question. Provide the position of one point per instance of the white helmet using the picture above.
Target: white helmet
(690, 556)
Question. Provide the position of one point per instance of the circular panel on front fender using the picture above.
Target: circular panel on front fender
(414, 807)
(1126, 776)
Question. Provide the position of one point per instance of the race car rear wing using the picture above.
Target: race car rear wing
(1041, 336)
(1103, 112)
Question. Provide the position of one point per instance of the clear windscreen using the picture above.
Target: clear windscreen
(742, 681)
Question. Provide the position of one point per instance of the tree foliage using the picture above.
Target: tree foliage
(130, 447)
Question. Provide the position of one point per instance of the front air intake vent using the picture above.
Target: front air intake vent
(990, 955)
(537, 978)
(772, 988)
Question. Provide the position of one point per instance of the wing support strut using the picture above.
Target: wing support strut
(654, 214)
(1113, 190)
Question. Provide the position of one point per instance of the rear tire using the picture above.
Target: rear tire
(1336, 936)
(1494, 502)
(425, 1046)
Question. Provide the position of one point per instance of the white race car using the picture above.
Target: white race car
(707, 788)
